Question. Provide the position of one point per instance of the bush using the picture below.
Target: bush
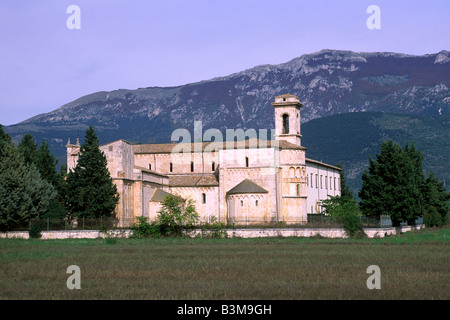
(432, 218)
(35, 230)
(214, 229)
(144, 229)
(176, 215)
(346, 210)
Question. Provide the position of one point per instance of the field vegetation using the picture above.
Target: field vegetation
(414, 265)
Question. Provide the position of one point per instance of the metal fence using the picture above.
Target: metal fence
(53, 224)
(312, 221)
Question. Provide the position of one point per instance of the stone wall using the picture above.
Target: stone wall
(232, 233)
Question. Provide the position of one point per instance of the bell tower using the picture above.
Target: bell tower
(287, 118)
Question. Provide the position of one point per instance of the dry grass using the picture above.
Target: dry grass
(413, 266)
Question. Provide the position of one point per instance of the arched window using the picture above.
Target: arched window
(192, 166)
(171, 167)
(213, 166)
(298, 190)
(256, 203)
(203, 197)
(242, 203)
(285, 124)
(246, 162)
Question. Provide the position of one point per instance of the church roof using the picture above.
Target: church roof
(183, 147)
(247, 186)
(159, 195)
(194, 180)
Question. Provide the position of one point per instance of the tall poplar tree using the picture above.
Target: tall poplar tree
(90, 191)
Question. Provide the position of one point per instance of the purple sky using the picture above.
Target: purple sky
(143, 43)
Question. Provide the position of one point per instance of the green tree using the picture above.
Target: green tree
(392, 184)
(89, 190)
(4, 139)
(24, 195)
(344, 209)
(345, 189)
(46, 164)
(176, 215)
(27, 147)
(436, 199)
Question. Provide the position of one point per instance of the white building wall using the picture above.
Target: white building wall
(322, 181)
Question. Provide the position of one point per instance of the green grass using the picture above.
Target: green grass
(414, 265)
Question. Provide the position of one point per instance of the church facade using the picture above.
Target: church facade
(244, 182)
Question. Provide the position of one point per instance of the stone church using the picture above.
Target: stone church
(252, 181)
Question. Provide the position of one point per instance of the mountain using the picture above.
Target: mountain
(328, 82)
(351, 138)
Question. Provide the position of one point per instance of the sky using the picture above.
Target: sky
(50, 56)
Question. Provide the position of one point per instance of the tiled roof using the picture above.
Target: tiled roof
(247, 186)
(168, 147)
(322, 164)
(159, 195)
(195, 180)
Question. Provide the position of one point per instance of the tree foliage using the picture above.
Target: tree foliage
(344, 209)
(436, 200)
(90, 191)
(395, 184)
(345, 189)
(176, 214)
(24, 195)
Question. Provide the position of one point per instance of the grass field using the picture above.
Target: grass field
(414, 265)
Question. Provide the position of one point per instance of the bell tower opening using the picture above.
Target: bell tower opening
(287, 118)
(285, 124)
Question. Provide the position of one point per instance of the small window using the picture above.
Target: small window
(213, 166)
(149, 166)
(298, 190)
(192, 166)
(256, 203)
(331, 188)
(242, 203)
(334, 183)
(203, 197)
(317, 181)
(246, 162)
(321, 178)
(171, 167)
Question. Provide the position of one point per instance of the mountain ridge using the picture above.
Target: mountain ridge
(328, 82)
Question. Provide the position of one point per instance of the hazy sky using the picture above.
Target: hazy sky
(143, 43)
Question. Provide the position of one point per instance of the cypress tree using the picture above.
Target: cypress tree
(27, 147)
(90, 191)
(46, 164)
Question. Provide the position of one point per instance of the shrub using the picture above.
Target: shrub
(346, 210)
(176, 215)
(214, 229)
(432, 218)
(35, 230)
(144, 229)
